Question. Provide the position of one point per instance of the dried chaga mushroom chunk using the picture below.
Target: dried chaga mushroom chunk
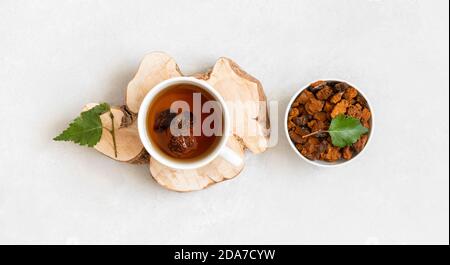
(328, 107)
(302, 120)
(294, 112)
(336, 97)
(313, 110)
(365, 114)
(347, 153)
(340, 108)
(365, 117)
(316, 125)
(340, 87)
(324, 93)
(304, 97)
(291, 125)
(317, 86)
(314, 105)
(302, 131)
(361, 100)
(323, 146)
(321, 116)
(296, 138)
(301, 109)
(332, 154)
(350, 93)
(355, 111)
(311, 148)
(359, 145)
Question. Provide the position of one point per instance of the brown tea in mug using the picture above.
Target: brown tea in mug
(189, 145)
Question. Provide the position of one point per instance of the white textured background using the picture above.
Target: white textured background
(57, 55)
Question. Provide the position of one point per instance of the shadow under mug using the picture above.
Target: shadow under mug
(221, 149)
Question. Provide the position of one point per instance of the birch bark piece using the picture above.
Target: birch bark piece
(197, 179)
(129, 145)
(154, 68)
(246, 101)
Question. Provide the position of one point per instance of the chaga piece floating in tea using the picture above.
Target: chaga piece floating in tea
(312, 112)
(163, 120)
(183, 141)
(182, 145)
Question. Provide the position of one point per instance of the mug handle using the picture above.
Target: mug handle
(231, 156)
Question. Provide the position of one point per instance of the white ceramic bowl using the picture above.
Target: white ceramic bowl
(320, 163)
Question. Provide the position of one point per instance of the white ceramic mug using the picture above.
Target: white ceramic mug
(221, 149)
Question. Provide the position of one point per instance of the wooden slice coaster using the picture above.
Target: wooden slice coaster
(235, 85)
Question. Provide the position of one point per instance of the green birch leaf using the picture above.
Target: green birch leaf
(345, 130)
(87, 128)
